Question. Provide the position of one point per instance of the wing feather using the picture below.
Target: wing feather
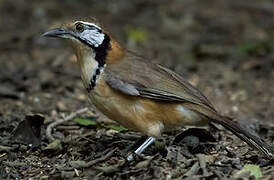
(134, 76)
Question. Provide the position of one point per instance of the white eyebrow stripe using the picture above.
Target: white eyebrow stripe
(87, 23)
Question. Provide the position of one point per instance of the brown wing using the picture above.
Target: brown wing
(134, 76)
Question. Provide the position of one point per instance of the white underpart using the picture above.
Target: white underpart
(156, 129)
(88, 67)
(190, 116)
(98, 76)
(138, 107)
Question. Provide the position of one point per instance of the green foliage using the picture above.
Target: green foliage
(253, 169)
(85, 122)
(138, 35)
(252, 48)
(118, 128)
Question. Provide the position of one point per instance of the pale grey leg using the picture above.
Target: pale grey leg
(141, 148)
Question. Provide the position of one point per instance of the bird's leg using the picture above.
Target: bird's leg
(141, 148)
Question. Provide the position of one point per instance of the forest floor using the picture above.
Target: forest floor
(225, 48)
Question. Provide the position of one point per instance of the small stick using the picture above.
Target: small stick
(202, 162)
(76, 165)
(108, 155)
(56, 123)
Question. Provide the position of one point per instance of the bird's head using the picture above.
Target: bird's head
(88, 39)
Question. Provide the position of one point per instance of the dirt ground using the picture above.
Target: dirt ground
(223, 47)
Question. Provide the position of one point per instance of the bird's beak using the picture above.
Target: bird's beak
(58, 32)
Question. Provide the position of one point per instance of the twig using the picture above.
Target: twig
(2, 155)
(67, 127)
(193, 170)
(202, 162)
(56, 123)
(81, 164)
(5, 148)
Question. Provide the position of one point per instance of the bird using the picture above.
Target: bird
(139, 94)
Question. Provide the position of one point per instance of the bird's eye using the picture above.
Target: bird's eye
(79, 27)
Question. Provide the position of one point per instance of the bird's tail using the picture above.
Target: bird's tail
(252, 140)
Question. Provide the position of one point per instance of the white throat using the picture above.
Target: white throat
(90, 71)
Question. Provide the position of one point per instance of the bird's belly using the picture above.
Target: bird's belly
(129, 111)
(148, 116)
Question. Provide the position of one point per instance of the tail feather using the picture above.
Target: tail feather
(252, 140)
